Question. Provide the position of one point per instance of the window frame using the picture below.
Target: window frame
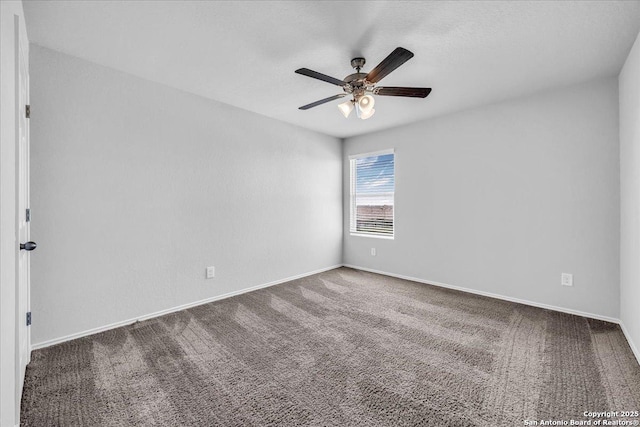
(352, 195)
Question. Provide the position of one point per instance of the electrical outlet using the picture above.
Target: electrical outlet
(566, 279)
(211, 272)
(373, 251)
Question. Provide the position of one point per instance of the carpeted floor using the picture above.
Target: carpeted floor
(340, 348)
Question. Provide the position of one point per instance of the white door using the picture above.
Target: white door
(23, 336)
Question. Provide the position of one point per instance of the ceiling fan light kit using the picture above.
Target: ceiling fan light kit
(362, 85)
(346, 108)
(364, 115)
(366, 103)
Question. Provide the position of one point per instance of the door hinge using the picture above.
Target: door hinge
(29, 318)
(28, 215)
(28, 111)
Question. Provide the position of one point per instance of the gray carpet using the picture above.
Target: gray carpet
(340, 348)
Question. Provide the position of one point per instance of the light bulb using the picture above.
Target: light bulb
(346, 108)
(366, 103)
(366, 115)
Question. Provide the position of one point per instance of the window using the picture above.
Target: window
(372, 192)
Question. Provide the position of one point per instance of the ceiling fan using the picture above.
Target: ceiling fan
(361, 85)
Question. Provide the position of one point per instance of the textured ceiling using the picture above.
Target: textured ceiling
(245, 53)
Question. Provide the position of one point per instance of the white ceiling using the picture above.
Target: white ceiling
(245, 53)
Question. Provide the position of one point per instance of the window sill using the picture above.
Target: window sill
(374, 236)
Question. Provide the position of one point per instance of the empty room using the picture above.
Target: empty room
(319, 213)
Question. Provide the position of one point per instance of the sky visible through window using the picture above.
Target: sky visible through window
(375, 180)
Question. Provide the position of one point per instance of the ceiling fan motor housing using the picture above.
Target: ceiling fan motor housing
(355, 83)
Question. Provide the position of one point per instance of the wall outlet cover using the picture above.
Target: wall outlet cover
(566, 279)
(211, 272)
(373, 251)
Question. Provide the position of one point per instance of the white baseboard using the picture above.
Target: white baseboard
(173, 309)
(49, 343)
(634, 349)
(492, 295)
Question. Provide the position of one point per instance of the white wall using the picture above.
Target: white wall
(137, 187)
(11, 13)
(502, 199)
(629, 81)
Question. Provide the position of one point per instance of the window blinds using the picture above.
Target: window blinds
(372, 193)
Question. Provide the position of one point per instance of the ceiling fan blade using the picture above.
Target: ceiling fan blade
(413, 92)
(322, 101)
(316, 75)
(395, 59)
